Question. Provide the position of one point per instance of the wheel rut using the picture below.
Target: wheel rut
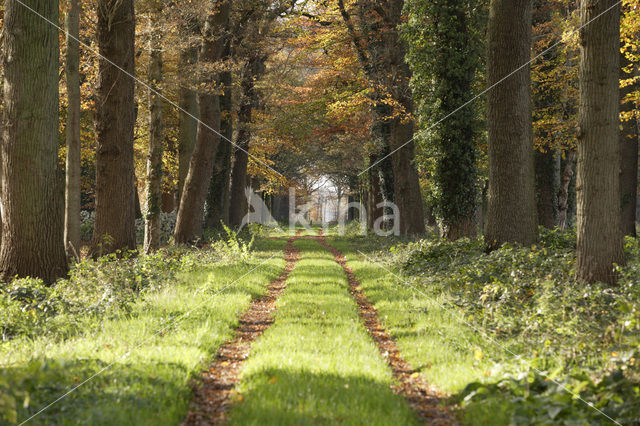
(423, 398)
(213, 393)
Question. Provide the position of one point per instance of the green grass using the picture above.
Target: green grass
(317, 364)
(428, 330)
(152, 385)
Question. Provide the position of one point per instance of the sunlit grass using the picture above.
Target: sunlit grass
(317, 364)
(430, 333)
(170, 335)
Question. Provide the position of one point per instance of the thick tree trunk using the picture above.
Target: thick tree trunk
(406, 186)
(563, 193)
(72, 184)
(511, 215)
(218, 197)
(115, 198)
(32, 206)
(191, 212)
(188, 124)
(454, 72)
(250, 100)
(628, 158)
(153, 211)
(598, 181)
(546, 193)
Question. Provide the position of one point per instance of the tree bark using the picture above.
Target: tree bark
(188, 124)
(375, 194)
(563, 192)
(115, 194)
(599, 245)
(217, 211)
(191, 212)
(406, 186)
(73, 166)
(249, 101)
(32, 206)
(628, 157)
(153, 211)
(546, 194)
(511, 215)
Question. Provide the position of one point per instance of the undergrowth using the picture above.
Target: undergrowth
(573, 343)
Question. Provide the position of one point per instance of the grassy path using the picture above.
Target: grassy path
(213, 395)
(317, 364)
(424, 399)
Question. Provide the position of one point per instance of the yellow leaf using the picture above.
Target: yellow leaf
(478, 354)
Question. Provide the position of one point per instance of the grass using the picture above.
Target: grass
(428, 330)
(316, 364)
(151, 385)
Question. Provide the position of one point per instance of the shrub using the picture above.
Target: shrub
(526, 298)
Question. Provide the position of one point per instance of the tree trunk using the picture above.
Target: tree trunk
(406, 186)
(73, 172)
(115, 197)
(188, 124)
(628, 158)
(544, 98)
(238, 203)
(511, 215)
(374, 195)
(32, 207)
(598, 181)
(546, 193)
(153, 211)
(455, 67)
(218, 197)
(191, 212)
(563, 192)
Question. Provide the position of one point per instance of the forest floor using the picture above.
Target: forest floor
(304, 328)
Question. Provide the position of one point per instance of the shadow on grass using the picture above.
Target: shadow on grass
(100, 401)
(289, 397)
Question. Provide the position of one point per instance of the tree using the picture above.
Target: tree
(153, 209)
(218, 197)
(511, 215)
(73, 167)
(629, 91)
(115, 192)
(32, 199)
(191, 212)
(188, 114)
(382, 55)
(444, 56)
(249, 101)
(628, 154)
(545, 100)
(599, 245)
